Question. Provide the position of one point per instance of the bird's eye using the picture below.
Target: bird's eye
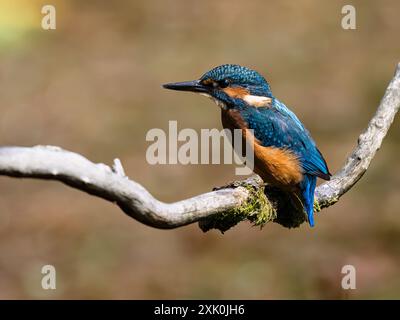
(223, 83)
(216, 84)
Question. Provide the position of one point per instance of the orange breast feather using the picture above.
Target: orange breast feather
(277, 166)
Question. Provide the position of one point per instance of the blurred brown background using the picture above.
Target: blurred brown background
(93, 86)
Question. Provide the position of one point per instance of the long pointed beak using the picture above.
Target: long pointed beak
(192, 86)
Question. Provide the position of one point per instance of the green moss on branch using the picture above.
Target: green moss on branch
(257, 209)
(264, 204)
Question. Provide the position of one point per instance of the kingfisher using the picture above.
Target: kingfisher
(285, 155)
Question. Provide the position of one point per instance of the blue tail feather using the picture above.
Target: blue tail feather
(307, 191)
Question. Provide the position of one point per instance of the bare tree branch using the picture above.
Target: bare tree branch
(48, 162)
(368, 144)
(53, 163)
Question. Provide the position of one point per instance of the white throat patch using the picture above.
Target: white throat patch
(257, 101)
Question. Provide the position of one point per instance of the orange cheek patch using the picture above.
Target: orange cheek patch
(244, 94)
(236, 92)
(208, 82)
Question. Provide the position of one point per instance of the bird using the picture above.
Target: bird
(285, 154)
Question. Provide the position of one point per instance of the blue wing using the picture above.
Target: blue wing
(279, 127)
